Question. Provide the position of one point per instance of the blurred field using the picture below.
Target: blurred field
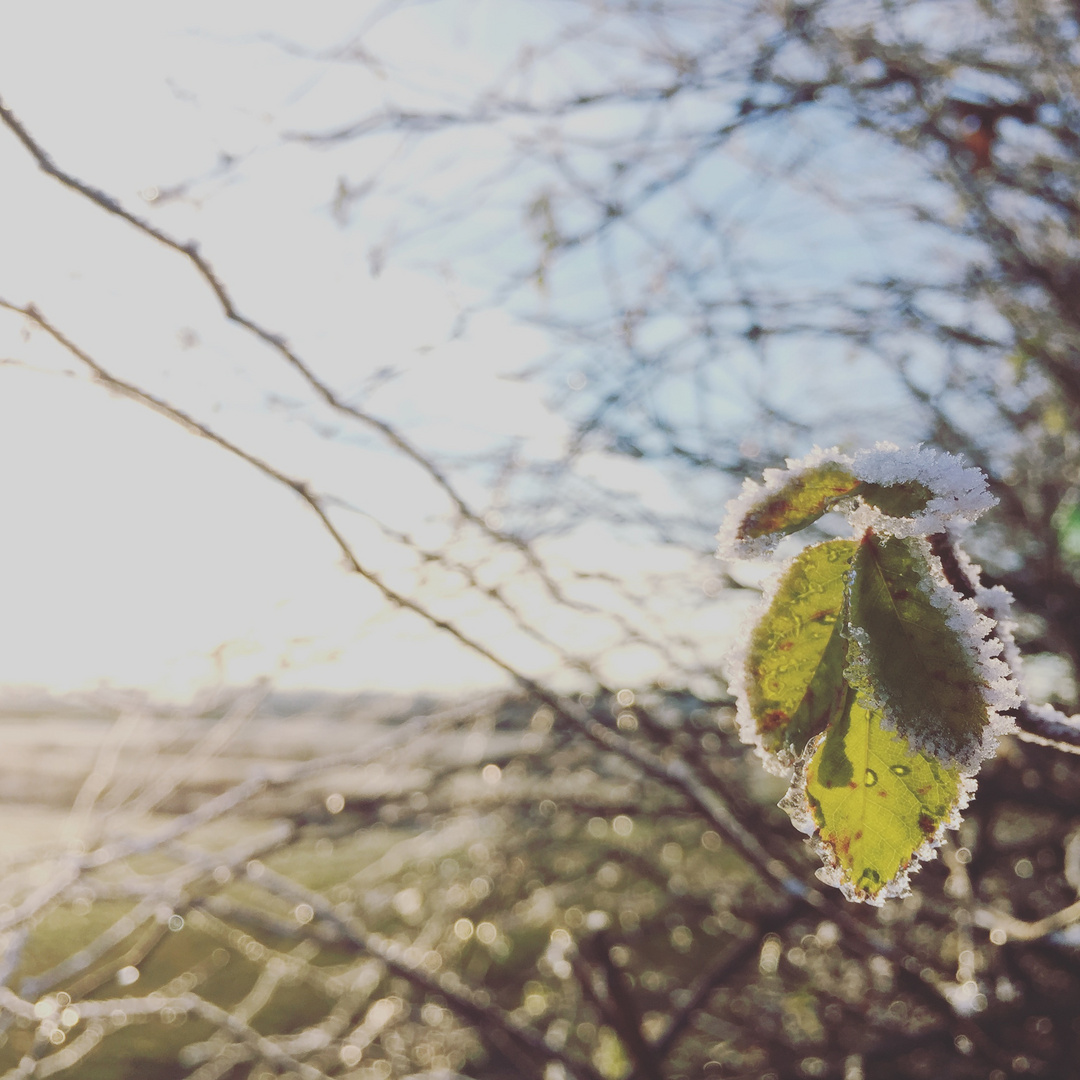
(472, 844)
(475, 891)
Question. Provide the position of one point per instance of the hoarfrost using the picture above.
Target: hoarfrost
(976, 634)
(732, 546)
(797, 806)
(1056, 722)
(997, 602)
(779, 764)
(958, 494)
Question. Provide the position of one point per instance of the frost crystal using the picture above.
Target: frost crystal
(959, 492)
(797, 806)
(1056, 722)
(975, 632)
(730, 545)
(735, 670)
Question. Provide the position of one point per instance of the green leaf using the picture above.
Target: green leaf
(809, 494)
(799, 502)
(873, 804)
(905, 656)
(795, 664)
(897, 500)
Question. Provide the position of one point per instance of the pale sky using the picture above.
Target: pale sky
(133, 554)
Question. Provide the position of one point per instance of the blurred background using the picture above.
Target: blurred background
(373, 378)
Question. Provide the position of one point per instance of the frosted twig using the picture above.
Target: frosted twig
(521, 1042)
(1040, 724)
(239, 713)
(1017, 930)
(160, 896)
(182, 1004)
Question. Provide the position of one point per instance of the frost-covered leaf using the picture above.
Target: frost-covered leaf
(916, 492)
(911, 654)
(896, 492)
(804, 498)
(896, 500)
(794, 666)
(874, 807)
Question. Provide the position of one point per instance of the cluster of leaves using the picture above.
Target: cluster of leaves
(870, 675)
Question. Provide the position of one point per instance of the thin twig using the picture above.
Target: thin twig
(279, 344)
(519, 1041)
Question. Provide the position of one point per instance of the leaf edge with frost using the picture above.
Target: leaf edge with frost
(926, 832)
(777, 628)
